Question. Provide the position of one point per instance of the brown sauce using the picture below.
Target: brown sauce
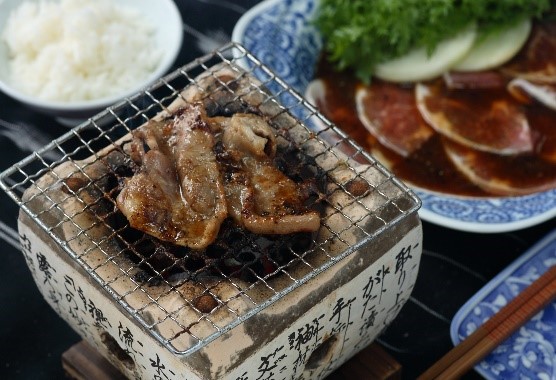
(429, 167)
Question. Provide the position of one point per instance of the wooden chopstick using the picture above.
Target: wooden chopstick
(497, 329)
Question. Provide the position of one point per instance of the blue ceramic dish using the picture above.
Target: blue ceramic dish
(531, 352)
(280, 34)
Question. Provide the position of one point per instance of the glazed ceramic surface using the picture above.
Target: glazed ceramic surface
(280, 33)
(531, 352)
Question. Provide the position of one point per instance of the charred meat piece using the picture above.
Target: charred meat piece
(262, 198)
(177, 195)
(194, 171)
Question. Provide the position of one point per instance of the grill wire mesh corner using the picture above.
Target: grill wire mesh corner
(149, 282)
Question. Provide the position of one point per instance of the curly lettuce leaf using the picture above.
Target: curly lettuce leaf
(359, 34)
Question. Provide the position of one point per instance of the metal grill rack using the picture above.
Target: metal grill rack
(155, 300)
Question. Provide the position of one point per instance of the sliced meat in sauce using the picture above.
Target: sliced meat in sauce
(389, 113)
(473, 108)
(487, 120)
(527, 92)
(543, 122)
(537, 60)
(177, 194)
(502, 175)
(474, 80)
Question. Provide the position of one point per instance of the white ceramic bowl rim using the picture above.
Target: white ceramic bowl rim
(172, 48)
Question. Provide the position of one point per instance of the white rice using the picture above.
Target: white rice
(74, 50)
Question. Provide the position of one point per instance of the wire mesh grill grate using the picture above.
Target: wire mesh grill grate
(68, 188)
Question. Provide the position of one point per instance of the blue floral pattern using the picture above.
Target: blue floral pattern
(494, 214)
(531, 352)
(281, 35)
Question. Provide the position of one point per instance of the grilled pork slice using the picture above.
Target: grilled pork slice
(177, 195)
(194, 171)
(265, 200)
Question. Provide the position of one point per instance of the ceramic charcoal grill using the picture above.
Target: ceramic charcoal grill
(161, 314)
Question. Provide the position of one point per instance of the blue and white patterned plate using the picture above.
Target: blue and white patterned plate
(280, 34)
(531, 352)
